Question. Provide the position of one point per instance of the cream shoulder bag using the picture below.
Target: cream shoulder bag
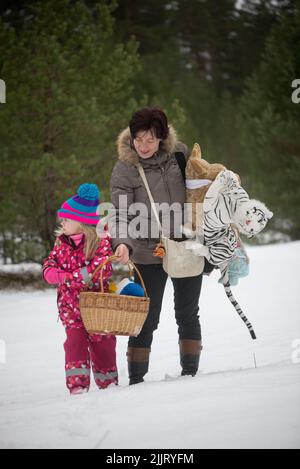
(178, 261)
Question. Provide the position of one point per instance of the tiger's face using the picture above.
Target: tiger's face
(251, 217)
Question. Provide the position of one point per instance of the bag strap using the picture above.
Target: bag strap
(153, 206)
(181, 161)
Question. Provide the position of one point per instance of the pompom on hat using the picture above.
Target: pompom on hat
(82, 207)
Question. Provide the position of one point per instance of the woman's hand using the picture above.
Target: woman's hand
(122, 254)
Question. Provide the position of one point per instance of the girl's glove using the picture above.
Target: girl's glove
(54, 276)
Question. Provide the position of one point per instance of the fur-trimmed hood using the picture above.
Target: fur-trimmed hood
(127, 153)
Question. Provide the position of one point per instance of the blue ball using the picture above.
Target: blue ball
(133, 289)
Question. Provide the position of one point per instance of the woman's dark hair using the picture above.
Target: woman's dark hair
(150, 118)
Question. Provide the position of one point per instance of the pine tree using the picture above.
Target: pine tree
(69, 92)
(269, 124)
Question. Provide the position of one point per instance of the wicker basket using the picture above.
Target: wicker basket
(109, 313)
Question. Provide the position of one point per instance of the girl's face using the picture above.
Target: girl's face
(146, 144)
(70, 227)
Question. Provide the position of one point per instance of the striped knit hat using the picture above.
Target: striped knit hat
(82, 206)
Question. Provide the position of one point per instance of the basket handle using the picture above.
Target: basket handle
(131, 266)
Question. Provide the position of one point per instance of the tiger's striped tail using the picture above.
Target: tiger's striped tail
(227, 287)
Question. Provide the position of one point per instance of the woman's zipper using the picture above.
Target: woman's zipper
(163, 173)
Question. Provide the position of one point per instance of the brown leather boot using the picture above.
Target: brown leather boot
(138, 364)
(190, 351)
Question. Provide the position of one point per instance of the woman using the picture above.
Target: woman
(150, 141)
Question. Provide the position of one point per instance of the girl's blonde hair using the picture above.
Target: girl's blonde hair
(91, 239)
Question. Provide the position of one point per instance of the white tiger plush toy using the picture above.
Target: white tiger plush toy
(227, 203)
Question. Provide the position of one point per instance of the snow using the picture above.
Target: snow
(230, 404)
(23, 267)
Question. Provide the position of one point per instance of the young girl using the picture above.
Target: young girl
(76, 254)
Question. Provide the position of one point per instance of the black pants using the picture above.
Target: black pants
(186, 298)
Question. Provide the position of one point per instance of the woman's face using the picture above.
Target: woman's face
(146, 144)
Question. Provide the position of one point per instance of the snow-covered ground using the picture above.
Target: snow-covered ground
(24, 267)
(230, 404)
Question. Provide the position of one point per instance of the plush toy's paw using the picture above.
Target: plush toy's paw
(228, 179)
(197, 248)
(188, 231)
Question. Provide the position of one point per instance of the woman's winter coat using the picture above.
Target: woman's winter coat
(167, 186)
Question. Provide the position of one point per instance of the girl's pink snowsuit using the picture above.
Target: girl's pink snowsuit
(68, 265)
